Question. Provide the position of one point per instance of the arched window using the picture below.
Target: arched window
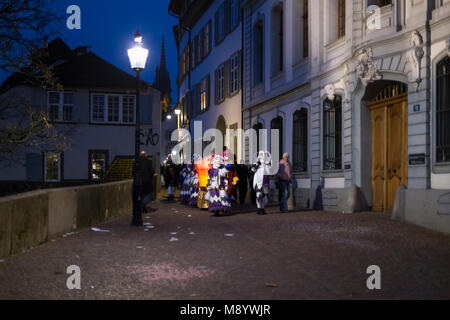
(258, 127)
(332, 134)
(443, 111)
(300, 141)
(277, 124)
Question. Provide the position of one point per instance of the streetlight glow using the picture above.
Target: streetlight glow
(138, 54)
(177, 112)
(169, 117)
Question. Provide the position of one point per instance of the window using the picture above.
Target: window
(443, 111)
(98, 108)
(220, 23)
(380, 3)
(234, 74)
(204, 94)
(206, 40)
(305, 29)
(113, 108)
(341, 18)
(234, 13)
(128, 109)
(277, 124)
(301, 29)
(332, 126)
(52, 167)
(60, 106)
(220, 84)
(300, 141)
(98, 162)
(258, 54)
(277, 39)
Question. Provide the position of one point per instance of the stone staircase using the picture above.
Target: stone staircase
(121, 169)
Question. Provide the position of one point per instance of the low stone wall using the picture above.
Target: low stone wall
(425, 208)
(32, 218)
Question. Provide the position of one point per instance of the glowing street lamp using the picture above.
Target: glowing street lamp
(138, 57)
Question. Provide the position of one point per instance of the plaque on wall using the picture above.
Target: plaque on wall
(417, 159)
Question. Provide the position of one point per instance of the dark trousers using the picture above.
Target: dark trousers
(242, 194)
(284, 186)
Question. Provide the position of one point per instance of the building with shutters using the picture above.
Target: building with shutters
(209, 40)
(97, 105)
(360, 92)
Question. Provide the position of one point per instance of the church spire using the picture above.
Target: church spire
(162, 64)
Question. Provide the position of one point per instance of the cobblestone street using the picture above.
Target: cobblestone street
(188, 254)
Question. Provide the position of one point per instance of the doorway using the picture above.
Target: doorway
(389, 120)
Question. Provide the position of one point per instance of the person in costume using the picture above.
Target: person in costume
(217, 188)
(170, 177)
(261, 180)
(194, 186)
(186, 184)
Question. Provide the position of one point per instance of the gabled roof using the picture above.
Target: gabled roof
(79, 68)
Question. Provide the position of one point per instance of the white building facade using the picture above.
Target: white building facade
(209, 39)
(360, 92)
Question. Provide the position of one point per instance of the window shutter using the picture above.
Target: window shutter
(216, 85)
(210, 36)
(227, 70)
(34, 164)
(239, 78)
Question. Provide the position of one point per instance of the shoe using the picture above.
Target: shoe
(264, 212)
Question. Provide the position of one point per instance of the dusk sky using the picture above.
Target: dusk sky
(109, 26)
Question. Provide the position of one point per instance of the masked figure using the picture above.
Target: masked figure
(217, 188)
(261, 180)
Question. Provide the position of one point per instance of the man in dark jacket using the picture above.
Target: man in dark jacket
(242, 172)
(170, 177)
(146, 175)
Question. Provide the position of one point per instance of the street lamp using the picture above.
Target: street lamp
(177, 112)
(138, 58)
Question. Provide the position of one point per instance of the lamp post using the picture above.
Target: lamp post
(138, 58)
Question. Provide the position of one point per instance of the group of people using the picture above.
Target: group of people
(215, 182)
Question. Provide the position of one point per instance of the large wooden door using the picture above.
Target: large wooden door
(389, 151)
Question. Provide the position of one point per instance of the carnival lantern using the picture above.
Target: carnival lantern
(202, 167)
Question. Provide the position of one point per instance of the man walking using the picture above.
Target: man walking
(146, 175)
(284, 177)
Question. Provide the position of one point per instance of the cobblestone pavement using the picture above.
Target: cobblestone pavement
(302, 255)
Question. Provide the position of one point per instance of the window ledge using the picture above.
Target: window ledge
(333, 174)
(303, 62)
(441, 168)
(277, 76)
(258, 85)
(336, 43)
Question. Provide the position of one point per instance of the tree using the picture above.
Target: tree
(24, 28)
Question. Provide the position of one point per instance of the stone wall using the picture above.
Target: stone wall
(32, 218)
(426, 208)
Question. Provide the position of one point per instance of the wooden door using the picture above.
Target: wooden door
(389, 151)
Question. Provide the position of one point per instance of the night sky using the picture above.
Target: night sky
(109, 26)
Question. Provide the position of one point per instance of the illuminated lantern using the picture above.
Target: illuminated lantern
(202, 169)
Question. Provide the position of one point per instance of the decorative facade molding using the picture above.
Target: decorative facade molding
(366, 68)
(329, 91)
(415, 56)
